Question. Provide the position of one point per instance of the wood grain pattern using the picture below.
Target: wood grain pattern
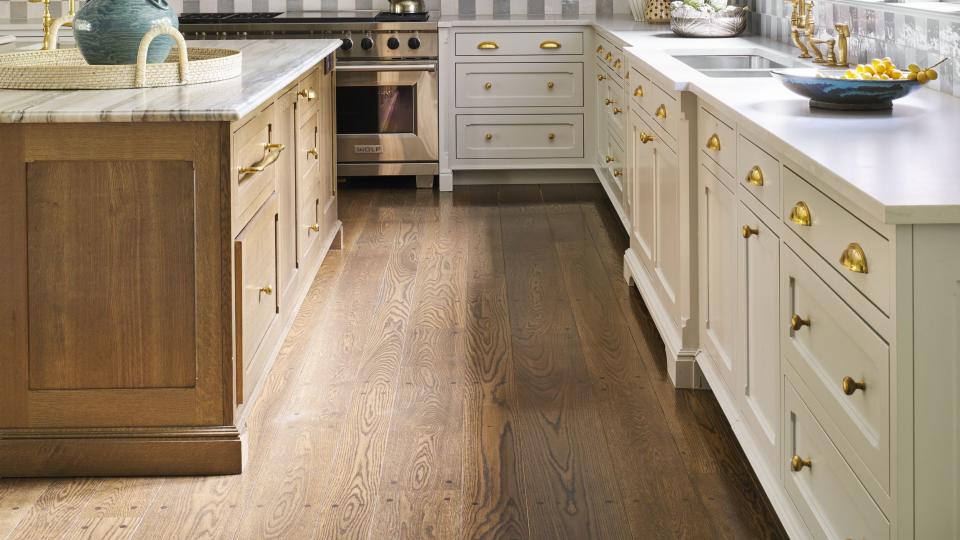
(471, 365)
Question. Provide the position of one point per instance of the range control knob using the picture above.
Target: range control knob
(366, 43)
(413, 43)
(393, 43)
(347, 44)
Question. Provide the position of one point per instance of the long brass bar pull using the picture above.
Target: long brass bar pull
(273, 151)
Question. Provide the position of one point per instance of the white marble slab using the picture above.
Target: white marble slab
(898, 166)
(268, 66)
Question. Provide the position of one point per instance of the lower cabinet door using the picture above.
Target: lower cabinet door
(286, 134)
(828, 495)
(720, 235)
(644, 219)
(758, 292)
(256, 291)
(670, 246)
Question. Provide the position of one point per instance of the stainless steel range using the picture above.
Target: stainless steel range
(387, 83)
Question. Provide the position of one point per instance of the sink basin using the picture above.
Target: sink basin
(729, 61)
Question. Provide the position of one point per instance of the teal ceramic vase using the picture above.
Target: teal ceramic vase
(109, 31)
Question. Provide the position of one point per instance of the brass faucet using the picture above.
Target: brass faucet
(51, 26)
(801, 20)
(799, 17)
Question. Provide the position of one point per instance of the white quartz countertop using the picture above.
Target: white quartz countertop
(268, 66)
(7, 39)
(898, 165)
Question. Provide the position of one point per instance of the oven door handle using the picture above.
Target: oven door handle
(385, 66)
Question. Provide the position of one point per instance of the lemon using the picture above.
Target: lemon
(896, 74)
(914, 68)
(931, 74)
(922, 77)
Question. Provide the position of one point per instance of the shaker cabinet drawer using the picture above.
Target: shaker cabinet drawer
(308, 145)
(830, 499)
(523, 84)
(662, 108)
(760, 173)
(844, 363)
(308, 95)
(718, 140)
(521, 136)
(859, 253)
(254, 170)
(255, 282)
(637, 88)
(518, 43)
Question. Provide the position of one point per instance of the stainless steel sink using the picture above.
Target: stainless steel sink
(728, 61)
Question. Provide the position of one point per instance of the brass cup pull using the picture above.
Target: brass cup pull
(266, 289)
(487, 45)
(271, 154)
(801, 214)
(638, 92)
(646, 137)
(608, 101)
(314, 152)
(551, 136)
(797, 322)
(488, 136)
(609, 56)
(310, 94)
(797, 463)
(661, 112)
(617, 63)
(617, 110)
(550, 44)
(600, 49)
(315, 227)
(487, 85)
(748, 231)
(618, 172)
(713, 143)
(601, 77)
(608, 159)
(854, 259)
(850, 386)
(755, 176)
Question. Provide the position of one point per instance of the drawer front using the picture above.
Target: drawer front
(308, 150)
(615, 162)
(255, 251)
(828, 495)
(663, 108)
(519, 43)
(525, 84)
(615, 107)
(759, 173)
(254, 171)
(309, 226)
(308, 92)
(524, 136)
(637, 87)
(837, 235)
(833, 350)
(718, 140)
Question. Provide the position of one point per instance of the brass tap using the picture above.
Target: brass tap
(799, 16)
(843, 55)
(51, 26)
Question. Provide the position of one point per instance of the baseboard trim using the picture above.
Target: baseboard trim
(486, 177)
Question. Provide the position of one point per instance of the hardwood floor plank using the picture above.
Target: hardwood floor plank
(56, 512)
(18, 496)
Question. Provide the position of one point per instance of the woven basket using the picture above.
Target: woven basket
(65, 69)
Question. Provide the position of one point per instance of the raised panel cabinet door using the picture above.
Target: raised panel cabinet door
(327, 141)
(758, 294)
(601, 112)
(286, 134)
(718, 214)
(644, 218)
(669, 252)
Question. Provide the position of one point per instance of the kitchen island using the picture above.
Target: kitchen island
(157, 244)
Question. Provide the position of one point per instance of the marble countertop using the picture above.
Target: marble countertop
(896, 165)
(7, 39)
(268, 66)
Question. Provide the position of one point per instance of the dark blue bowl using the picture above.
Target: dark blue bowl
(844, 94)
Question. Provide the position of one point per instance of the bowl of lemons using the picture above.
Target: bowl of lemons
(871, 86)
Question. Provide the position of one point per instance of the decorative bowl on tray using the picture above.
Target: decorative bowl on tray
(710, 19)
(828, 89)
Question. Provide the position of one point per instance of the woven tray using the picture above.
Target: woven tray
(65, 69)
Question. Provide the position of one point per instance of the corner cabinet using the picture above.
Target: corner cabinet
(146, 288)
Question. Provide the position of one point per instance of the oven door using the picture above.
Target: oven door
(387, 112)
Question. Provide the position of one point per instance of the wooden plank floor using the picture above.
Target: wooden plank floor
(471, 365)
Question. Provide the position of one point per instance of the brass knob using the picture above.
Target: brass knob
(314, 152)
(487, 85)
(310, 94)
(797, 322)
(617, 63)
(266, 289)
(617, 110)
(713, 143)
(638, 92)
(854, 259)
(801, 214)
(488, 136)
(850, 386)
(600, 49)
(608, 101)
(618, 172)
(601, 77)
(646, 137)
(661, 112)
(315, 227)
(551, 136)
(608, 159)
(797, 463)
(550, 85)
(755, 176)
(748, 231)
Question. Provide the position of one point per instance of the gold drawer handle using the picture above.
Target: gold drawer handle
(755, 176)
(488, 136)
(310, 94)
(748, 231)
(608, 101)
(854, 259)
(801, 214)
(638, 92)
(797, 322)
(487, 45)
(266, 289)
(315, 227)
(550, 85)
(646, 137)
(850, 386)
(487, 85)
(314, 152)
(661, 112)
(797, 463)
(618, 172)
(609, 56)
(713, 143)
(272, 153)
(601, 77)
(600, 49)
(608, 159)
(617, 110)
(617, 63)
(551, 136)
(550, 44)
